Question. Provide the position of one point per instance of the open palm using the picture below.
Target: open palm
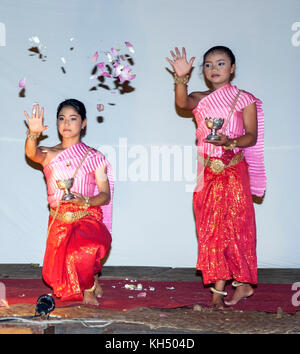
(36, 122)
(180, 64)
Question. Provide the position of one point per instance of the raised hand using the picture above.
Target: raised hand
(180, 64)
(36, 122)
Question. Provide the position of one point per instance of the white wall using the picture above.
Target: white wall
(153, 221)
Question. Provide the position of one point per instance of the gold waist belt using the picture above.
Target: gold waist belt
(218, 166)
(68, 216)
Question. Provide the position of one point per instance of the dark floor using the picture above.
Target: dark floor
(265, 275)
(179, 321)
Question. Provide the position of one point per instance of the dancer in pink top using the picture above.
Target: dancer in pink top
(79, 229)
(230, 171)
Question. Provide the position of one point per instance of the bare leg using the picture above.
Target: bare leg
(98, 290)
(89, 295)
(217, 299)
(241, 292)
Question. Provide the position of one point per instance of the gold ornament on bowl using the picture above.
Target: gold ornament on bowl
(66, 184)
(214, 124)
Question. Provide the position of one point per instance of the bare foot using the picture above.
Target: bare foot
(217, 302)
(241, 292)
(98, 290)
(89, 298)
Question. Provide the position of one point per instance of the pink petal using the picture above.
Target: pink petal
(101, 65)
(22, 83)
(114, 52)
(143, 294)
(130, 47)
(100, 107)
(95, 57)
(105, 74)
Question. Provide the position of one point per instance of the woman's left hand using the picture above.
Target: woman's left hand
(223, 140)
(78, 200)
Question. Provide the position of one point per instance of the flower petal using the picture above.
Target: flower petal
(130, 47)
(95, 57)
(114, 52)
(100, 107)
(101, 65)
(22, 83)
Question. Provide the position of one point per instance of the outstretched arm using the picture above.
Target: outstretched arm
(35, 128)
(182, 67)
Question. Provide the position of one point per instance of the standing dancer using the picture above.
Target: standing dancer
(79, 229)
(230, 170)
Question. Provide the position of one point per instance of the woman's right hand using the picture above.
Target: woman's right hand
(180, 64)
(35, 123)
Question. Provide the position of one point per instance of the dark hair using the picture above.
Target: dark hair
(220, 48)
(77, 105)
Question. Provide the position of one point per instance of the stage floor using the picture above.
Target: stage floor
(83, 319)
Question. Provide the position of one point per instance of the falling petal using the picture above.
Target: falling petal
(22, 83)
(35, 39)
(101, 65)
(126, 74)
(109, 56)
(114, 52)
(95, 57)
(118, 69)
(130, 47)
(22, 93)
(100, 107)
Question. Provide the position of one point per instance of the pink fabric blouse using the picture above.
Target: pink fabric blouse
(218, 104)
(63, 166)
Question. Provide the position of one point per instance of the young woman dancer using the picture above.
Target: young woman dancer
(230, 170)
(79, 229)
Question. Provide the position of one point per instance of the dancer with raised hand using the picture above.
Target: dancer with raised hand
(230, 170)
(79, 230)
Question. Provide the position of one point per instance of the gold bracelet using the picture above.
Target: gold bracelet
(32, 136)
(87, 202)
(231, 146)
(181, 80)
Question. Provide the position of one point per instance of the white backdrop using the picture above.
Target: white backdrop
(153, 223)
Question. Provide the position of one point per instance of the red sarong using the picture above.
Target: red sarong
(74, 252)
(225, 223)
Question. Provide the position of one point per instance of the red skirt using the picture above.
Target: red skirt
(74, 252)
(226, 229)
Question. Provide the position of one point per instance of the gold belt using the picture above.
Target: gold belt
(69, 216)
(218, 166)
